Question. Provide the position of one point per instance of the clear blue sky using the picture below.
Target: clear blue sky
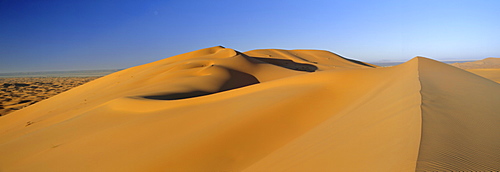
(103, 34)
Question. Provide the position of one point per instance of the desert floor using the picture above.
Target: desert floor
(17, 93)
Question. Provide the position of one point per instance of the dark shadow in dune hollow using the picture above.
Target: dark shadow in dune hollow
(355, 61)
(289, 64)
(236, 80)
(177, 96)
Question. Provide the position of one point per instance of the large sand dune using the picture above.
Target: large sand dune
(217, 109)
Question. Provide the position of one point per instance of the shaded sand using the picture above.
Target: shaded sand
(17, 93)
(217, 109)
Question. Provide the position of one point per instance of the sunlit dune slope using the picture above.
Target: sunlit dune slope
(217, 109)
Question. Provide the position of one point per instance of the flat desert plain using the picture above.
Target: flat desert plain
(218, 109)
(17, 93)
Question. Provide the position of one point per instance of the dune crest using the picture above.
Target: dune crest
(218, 109)
(460, 116)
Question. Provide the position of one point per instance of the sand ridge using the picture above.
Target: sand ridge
(218, 109)
(460, 132)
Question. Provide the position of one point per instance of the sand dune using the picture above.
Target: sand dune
(488, 68)
(217, 109)
(492, 74)
(487, 63)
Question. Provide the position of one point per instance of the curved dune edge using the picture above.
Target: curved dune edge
(218, 109)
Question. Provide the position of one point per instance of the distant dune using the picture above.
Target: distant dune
(488, 68)
(218, 109)
(487, 63)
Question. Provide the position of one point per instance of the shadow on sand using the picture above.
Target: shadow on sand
(289, 64)
(236, 80)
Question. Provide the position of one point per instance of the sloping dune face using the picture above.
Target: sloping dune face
(461, 113)
(217, 109)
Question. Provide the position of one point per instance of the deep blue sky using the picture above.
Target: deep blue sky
(102, 34)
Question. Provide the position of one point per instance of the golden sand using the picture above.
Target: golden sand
(217, 109)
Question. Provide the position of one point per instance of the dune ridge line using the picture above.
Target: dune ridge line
(217, 109)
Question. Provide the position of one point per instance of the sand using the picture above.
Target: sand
(217, 109)
(492, 74)
(17, 93)
(488, 68)
(487, 63)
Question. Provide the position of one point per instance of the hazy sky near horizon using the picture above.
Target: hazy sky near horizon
(107, 34)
